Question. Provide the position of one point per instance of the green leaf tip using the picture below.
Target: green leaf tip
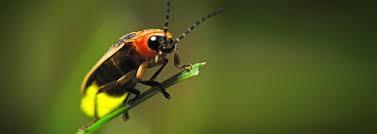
(195, 68)
(200, 65)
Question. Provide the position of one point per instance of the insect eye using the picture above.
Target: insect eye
(154, 43)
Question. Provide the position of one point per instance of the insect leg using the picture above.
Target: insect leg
(125, 116)
(107, 87)
(177, 60)
(140, 71)
(134, 91)
(151, 82)
(157, 84)
(111, 85)
(163, 64)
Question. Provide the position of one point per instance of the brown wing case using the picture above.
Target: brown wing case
(121, 43)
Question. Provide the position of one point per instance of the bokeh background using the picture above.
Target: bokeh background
(273, 66)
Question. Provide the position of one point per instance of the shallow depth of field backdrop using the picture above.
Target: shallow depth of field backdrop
(275, 66)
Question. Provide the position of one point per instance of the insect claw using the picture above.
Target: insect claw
(186, 67)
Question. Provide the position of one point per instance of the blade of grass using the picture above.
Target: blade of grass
(186, 74)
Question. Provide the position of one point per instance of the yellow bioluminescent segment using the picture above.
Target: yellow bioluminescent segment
(105, 103)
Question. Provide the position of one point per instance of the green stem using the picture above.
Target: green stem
(141, 98)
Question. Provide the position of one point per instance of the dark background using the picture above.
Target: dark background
(273, 66)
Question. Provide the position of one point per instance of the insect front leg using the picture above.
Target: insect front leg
(163, 63)
(177, 61)
(152, 81)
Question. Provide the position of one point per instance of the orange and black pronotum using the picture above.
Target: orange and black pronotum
(108, 83)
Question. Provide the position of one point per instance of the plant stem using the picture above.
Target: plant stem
(141, 98)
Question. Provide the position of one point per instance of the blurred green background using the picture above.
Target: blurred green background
(274, 66)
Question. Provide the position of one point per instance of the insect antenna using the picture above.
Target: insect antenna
(197, 23)
(167, 16)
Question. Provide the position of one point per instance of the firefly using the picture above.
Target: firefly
(111, 81)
